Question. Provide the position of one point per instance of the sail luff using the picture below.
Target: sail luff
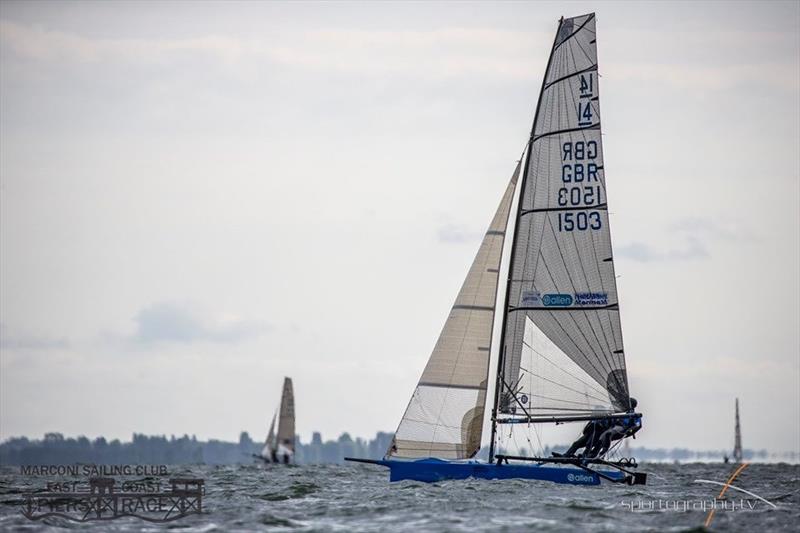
(499, 379)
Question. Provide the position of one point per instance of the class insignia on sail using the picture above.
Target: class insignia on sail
(559, 356)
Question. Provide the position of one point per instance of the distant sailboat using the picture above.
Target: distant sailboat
(737, 438)
(280, 448)
(560, 357)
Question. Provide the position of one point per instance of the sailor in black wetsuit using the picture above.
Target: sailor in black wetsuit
(620, 428)
(591, 432)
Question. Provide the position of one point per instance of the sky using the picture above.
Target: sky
(197, 199)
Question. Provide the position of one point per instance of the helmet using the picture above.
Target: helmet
(634, 403)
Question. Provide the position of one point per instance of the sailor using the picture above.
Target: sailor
(591, 432)
(621, 428)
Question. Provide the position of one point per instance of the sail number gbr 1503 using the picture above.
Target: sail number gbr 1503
(580, 188)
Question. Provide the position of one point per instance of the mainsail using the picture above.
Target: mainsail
(286, 420)
(445, 415)
(562, 352)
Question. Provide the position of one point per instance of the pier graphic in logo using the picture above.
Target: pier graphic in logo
(557, 300)
(99, 500)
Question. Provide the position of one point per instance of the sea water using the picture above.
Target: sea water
(360, 498)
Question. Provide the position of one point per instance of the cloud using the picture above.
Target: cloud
(775, 74)
(643, 253)
(723, 230)
(457, 234)
(495, 53)
(696, 233)
(438, 53)
(29, 342)
(170, 322)
(35, 42)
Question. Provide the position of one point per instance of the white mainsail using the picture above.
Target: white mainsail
(285, 441)
(562, 346)
(445, 415)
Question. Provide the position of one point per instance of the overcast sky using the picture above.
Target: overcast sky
(198, 199)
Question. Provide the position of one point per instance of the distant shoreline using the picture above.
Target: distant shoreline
(56, 449)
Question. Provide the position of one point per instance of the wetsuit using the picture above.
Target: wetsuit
(591, 432)
(621, 428)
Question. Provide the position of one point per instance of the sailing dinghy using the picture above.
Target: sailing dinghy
(280, 448)
(560, 357)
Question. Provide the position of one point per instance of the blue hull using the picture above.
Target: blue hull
(430, 470)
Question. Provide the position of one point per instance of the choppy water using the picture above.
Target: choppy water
(360, 498)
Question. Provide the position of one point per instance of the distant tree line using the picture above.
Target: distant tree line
(143, 449)
(56, 449)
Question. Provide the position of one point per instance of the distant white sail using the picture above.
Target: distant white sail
(285, 444)
(562, 278)
(445, 415)
(270, 444)
(737, 438)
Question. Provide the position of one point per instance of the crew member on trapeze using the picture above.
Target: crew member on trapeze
(598, 434)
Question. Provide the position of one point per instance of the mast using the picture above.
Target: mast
(500, 378)
(737, 440)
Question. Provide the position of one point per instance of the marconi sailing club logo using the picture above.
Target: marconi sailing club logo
(98, 496)
(578, 299)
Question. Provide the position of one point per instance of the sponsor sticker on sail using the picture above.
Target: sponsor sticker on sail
(531, 299)
(591, 298)
(557, 300)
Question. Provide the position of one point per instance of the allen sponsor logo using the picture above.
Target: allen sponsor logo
(557, 300)
(580, 478)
